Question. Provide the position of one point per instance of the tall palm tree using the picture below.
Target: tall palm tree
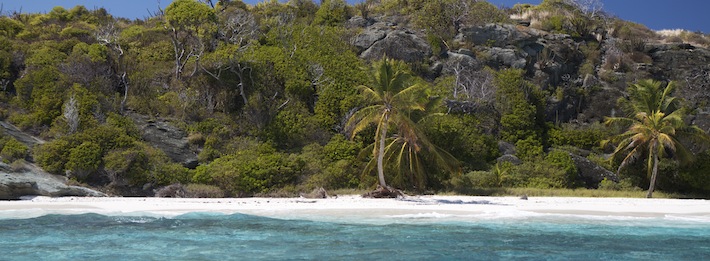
(654, 129)
(392, 100)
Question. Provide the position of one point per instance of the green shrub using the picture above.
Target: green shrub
(13, 150)
(203, 191)
(563, 161)
(250, 171)
(539, 174)
(52, 156)
(84, 160)
(528, 149)
(624, 184)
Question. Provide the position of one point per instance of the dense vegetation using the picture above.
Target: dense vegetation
(275, 100)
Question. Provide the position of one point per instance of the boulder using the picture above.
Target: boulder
(509, 158)
(503, 57)
(590, 173)
(26, 179)
(172, 191)
(397, 44)
(499, 35)
(372, 34)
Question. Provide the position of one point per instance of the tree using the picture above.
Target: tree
(392, 100)
(654, 130)
(191, 25)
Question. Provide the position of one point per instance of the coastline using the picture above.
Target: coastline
(357, 208)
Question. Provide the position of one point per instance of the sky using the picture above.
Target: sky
(691, 15)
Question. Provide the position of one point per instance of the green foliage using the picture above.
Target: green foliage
(654, 130)
(522, 106)
(331, 13)
(460, 136)
(534, 175)
(84, 160)
(624, 184)
(250, 171)
(10, 27)
(529, 149)
(52, 156)
(188, 14)
(474, 179)
(585, 137)
(11, 150)
(563, 161)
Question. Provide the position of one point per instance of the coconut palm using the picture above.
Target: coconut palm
(409, 154)
(654, 129)
(392, 100)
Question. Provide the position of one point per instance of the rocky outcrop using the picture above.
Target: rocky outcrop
(688, 66)
(168, 138)
(20, 136)
(24, 179)
(386, 39)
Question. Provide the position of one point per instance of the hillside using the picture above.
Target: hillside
(241, 100)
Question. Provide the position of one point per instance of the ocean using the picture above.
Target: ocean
(424, 236)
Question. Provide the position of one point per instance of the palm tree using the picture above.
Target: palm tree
(654, 129)
(410, 153)
(392, 100)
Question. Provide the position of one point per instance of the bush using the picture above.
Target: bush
(563, 161)
(534, 175)
(13, 150)
(250, 171)
(203, 191)
(84, 160)
(528, 149)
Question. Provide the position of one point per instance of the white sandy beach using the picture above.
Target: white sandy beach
(356, 207)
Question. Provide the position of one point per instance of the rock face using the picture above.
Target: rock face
(166, 137)
(386, 39)
(20, 136)
(30, 180)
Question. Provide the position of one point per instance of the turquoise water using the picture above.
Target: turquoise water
(207, 236)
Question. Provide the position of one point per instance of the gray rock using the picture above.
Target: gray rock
(168, 138)
(506, 57)
(590, 173)
(509, 158)
(458, 61)
(506, 148)
(499, 35)
(30, 180)
(20, 136)
(367, 38)
(172, 191)
(400, 45)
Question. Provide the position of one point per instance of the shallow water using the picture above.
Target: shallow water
(209, 236)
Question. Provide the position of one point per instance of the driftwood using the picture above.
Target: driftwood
(384, 192)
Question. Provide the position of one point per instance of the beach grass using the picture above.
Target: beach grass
(582, 192)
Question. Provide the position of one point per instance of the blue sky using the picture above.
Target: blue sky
(656, 14)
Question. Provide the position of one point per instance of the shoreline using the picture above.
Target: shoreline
(356, 207)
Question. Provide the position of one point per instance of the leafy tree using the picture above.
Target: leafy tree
(521, 105)
(654, 130)
(331, 13)
(191, 24)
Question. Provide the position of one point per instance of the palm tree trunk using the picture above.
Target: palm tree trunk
(381, 153)
(653, 177)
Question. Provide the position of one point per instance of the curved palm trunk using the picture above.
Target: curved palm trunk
(653, 176)
(381, 153)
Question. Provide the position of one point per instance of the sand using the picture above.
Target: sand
(357, 208)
